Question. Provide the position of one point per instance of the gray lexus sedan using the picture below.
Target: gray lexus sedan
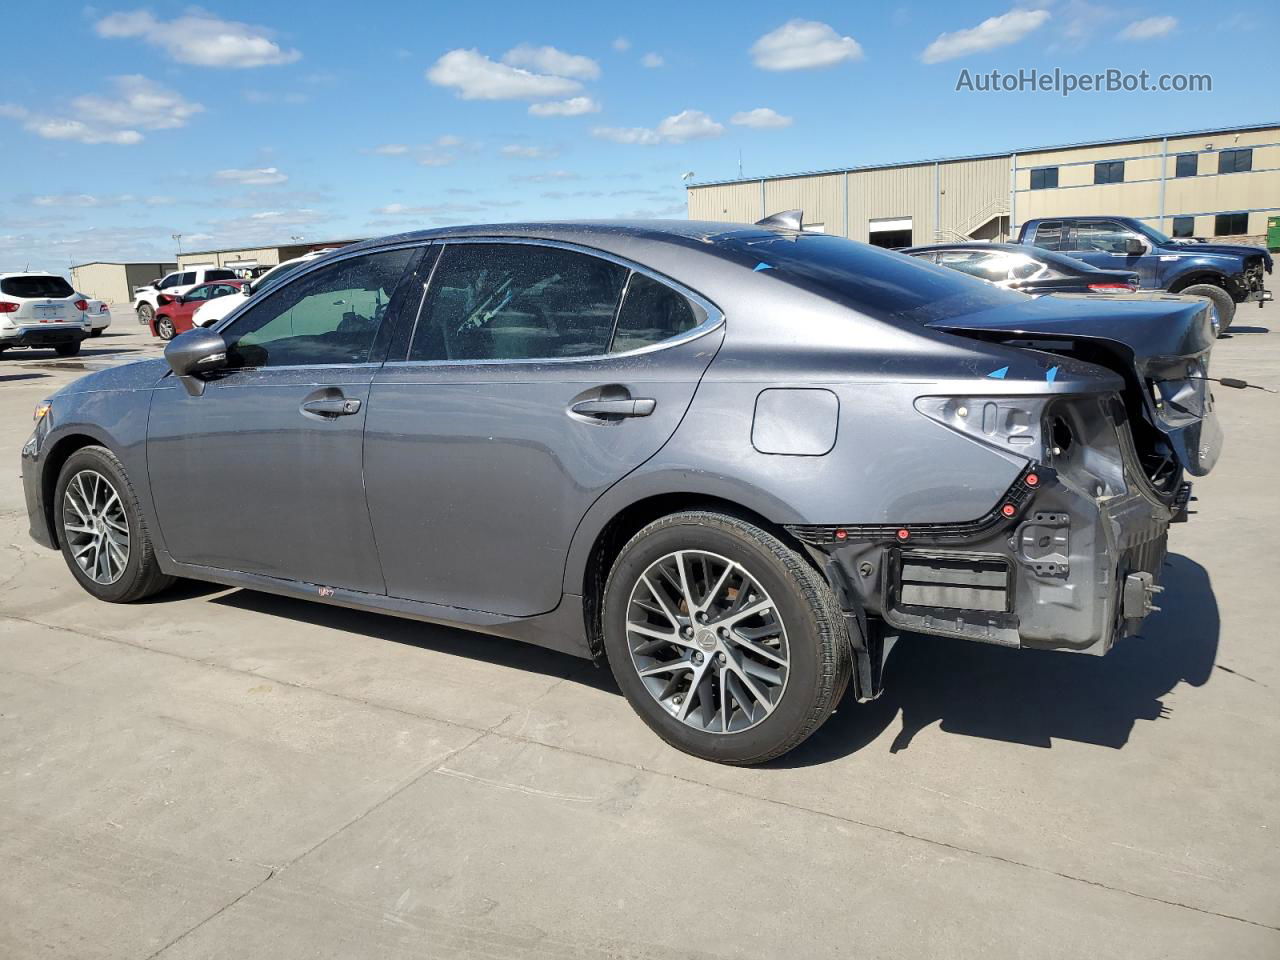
(735, 462)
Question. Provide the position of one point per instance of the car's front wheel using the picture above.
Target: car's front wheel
(1220, 299)
(101, 531)
(726, 642)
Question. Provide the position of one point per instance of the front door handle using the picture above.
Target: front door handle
(331, 407)
(632, 407)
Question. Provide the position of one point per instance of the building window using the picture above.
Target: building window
(1230, 224)
(1235, 161)
(1110, 172)
(1184, 226)
(1044, 178)
(1188, 164)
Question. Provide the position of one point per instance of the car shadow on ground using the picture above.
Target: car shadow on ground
(1029, 697)
(1033, 697)
(1235, 328)
(499, 651)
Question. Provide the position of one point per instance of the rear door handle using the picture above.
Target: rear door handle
(332, 407)
(634, 407)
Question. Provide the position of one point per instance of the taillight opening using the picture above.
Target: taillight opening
(82, 305)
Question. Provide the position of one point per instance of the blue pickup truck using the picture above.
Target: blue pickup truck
(1226, 274)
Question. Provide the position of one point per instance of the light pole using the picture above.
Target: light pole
(177, 238)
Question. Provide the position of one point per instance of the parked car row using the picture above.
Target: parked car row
(732, 462)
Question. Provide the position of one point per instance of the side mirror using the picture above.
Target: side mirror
(1135, 247)
(246, 288)
(195, 353)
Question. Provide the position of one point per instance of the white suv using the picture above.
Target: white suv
(42, 310)
(175, 284)
(216, 309)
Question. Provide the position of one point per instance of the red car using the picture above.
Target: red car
(173, 313)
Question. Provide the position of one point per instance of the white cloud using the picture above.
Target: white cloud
(527, 151)
(652, 60)
(260, 177)
(641, 135)
(573, 107)
(552, 61)
(136, 104)
(547, 177)
(432, 209)
(679, 128)
(391, 149)
(761, 118)
(622, 44)
(803, 44)
(200, 39)
(475, 77)
(69, 200)
(990, 34)
(689, 125)
(1149, 28)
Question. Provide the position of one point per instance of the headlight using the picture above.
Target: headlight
(42, 410)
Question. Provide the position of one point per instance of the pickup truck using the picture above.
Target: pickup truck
(1225, 274)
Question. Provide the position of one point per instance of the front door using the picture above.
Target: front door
(1105, 244)
(538, 376)
(263, 472)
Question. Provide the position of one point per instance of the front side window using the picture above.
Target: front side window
(187, 279)
(508, 301)
(1184, 226)
(1111, 171)
(330, 316)
(172, 280)
(1230, 224)
(1188, 164)
(652, 312)
(1235, 161)
(1044, 178)
(1049, 235)
(1103, 236)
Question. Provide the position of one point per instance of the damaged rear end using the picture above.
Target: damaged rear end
(1069, 557)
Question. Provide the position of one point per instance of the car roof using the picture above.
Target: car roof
(30, 273)
(974, 245)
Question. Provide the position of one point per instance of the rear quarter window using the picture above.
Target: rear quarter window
(29, 287)
(219, 275)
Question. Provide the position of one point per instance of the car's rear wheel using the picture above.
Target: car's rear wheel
(145, 313)
(164, 328)
(724, 640)
(67, 349)
(101, 531)
(96, 333)
(1221, 300)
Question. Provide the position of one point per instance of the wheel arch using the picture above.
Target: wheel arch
(1199, 275)
(53, 459)
(593, 553)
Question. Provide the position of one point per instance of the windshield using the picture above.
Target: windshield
(880, 283)
(1151, 233)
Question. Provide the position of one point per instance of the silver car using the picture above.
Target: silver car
(735, 462)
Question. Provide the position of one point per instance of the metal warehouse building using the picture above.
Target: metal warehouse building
(251, 258)
(1223, 182)
(115, 282)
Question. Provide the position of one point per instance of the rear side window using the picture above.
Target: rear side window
(35, 287)
(219, 275)
(497, 301)
(652, 312)
(187, 278)
(1049, 235)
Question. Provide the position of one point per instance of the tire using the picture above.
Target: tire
(164, 328)
(781, 683)
(67, 349)
(84, 474)
(1221, 300)
(145, 313)
(96, 333)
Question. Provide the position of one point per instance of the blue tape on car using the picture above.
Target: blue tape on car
(997, 374)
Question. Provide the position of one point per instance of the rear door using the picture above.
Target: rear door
(537, 376)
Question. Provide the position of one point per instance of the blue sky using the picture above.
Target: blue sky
(242, 123)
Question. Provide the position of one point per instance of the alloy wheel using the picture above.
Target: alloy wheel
(164, 328)
(707, 641)
(96, 526)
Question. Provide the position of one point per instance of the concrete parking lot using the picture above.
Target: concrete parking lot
(220, 773)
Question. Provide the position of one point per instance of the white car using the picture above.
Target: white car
(146, 299)
(99, 317)
(215, 310)
(42, 310)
